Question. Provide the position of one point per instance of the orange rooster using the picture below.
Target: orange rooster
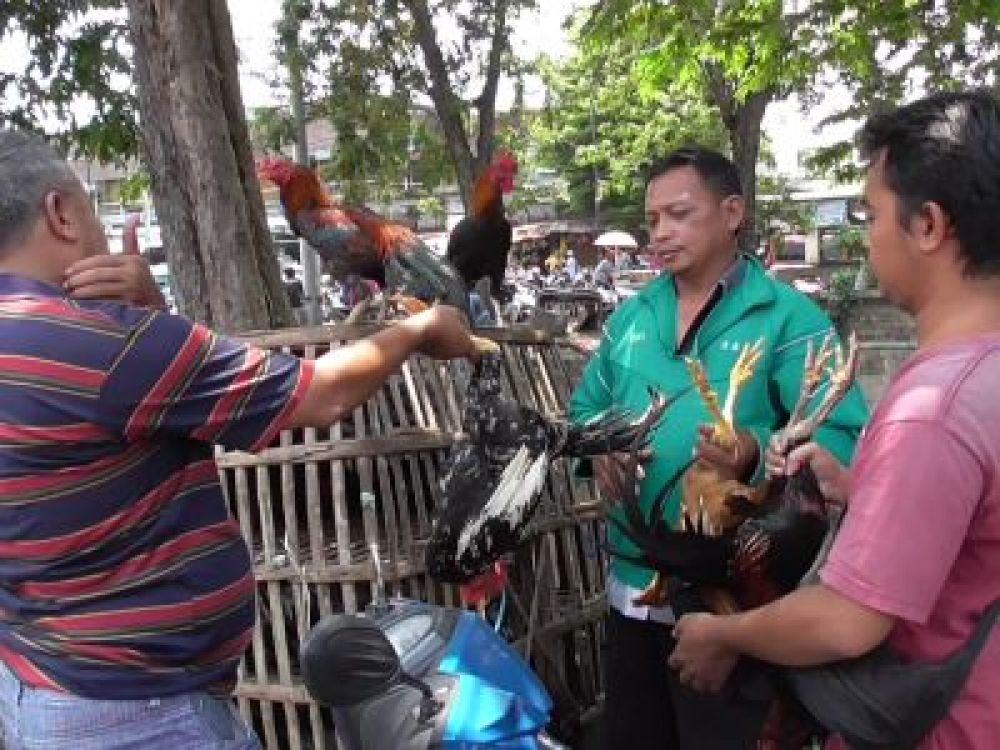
(357, 241)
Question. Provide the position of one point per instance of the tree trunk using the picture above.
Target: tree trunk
(446, 104)
(196, 146)
(487, 102)
(743, 123)
(744, 134)
(449, 106)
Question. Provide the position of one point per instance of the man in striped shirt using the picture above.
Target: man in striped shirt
(126, 591)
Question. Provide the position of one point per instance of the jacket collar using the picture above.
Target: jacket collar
(745, 286)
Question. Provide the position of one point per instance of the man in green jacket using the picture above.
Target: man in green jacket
(710, 302)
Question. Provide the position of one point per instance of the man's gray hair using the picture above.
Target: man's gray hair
(29, 168)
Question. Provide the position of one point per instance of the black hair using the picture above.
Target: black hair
(945, 149)
(718, 171)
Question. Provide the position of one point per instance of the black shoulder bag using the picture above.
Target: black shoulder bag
(879, 701)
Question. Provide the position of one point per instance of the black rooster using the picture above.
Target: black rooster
(492, 483)
(479, 244)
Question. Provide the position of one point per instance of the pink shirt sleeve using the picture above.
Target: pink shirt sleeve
(915, 489)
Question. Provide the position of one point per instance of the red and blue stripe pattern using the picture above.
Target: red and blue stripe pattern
(122, 575)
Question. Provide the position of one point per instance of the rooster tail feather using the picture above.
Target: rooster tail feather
(667, 489)
(418, 271)
(613, 431)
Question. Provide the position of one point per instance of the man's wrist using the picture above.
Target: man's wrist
(416, 327)
(727, 629)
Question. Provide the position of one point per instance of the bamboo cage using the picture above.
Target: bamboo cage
(299, 505)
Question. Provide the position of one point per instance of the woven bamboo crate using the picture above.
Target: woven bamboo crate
(299, 505)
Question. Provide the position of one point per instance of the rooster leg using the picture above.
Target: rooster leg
(723, 414)
(841, 376)
(360, 310)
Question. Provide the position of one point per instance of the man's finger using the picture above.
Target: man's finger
(95, 261)
(109, 290)
(130, 235)
(94, 276)
(800, 457)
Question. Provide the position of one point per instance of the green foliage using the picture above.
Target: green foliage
(730, 52)
(749, 44)
(841, 296)
(75, 82)
(135, 187)
(851, 241)
(432, 205)
(594, 119)
(368, 71)
(271, 128)
(886, 53)
(777, 211)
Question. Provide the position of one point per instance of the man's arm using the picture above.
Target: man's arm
(916, 489)
(812, 625)
(593, 394)
(349, 375)
(592, 397)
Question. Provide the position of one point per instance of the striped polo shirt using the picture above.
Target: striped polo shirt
(122, 574)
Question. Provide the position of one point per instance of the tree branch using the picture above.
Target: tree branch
(488, 99)
(442, 95)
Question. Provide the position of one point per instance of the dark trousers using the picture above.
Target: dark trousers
(646, 707)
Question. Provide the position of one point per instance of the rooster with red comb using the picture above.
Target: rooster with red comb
(355, 240)
(480, 243)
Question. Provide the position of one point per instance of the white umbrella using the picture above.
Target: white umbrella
(616, 239)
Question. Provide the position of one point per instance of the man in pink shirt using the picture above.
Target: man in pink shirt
(917, 560)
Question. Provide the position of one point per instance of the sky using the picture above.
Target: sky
(790, 130)
(539, 31)
(253, 26)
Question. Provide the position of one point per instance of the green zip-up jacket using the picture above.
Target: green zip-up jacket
(639, 350)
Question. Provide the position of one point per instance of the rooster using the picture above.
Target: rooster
(357, 241)
(740, 547)
(492, 483)
(480, 243)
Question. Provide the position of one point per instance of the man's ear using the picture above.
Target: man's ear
(59, 214)
(930, 226)
(734, 210)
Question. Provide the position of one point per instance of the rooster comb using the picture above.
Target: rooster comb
(275, 168)
(506, 160)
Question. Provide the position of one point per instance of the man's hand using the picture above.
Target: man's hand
(615, 475)
(702, 660)
(833, 478)
(736, 462)
(124, 278)
(443, 333)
